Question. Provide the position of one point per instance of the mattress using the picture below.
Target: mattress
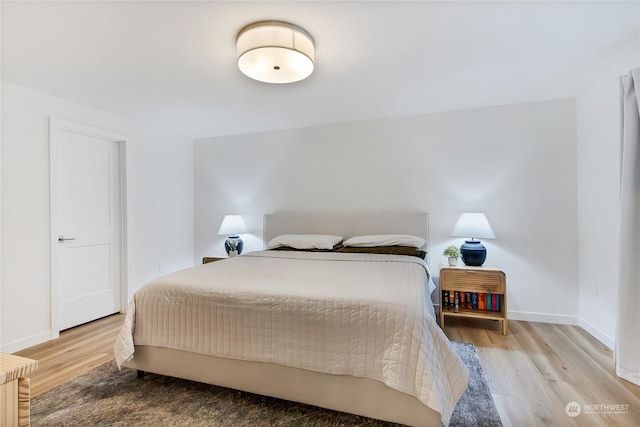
(364, 315)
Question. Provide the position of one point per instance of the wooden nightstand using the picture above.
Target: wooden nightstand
(15, 395)
(209, 259)
(472, 281)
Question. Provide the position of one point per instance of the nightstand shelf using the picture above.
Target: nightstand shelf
(481, 280)
(480, 314)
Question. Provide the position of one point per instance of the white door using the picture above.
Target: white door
(86, 225)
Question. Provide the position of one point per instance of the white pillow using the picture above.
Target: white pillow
(385, 240)
(305, 241)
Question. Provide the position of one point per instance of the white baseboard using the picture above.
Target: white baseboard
(44, 336)
(561, 319)
(22, 343)
(598, 334)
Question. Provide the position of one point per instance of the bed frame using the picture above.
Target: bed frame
(345, 393)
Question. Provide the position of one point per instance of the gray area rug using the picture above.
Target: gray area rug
(108, 397)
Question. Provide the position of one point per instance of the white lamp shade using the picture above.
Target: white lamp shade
(275, 52)
(232, 225)
(473, 225)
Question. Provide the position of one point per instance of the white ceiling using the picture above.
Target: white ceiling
(173, 63)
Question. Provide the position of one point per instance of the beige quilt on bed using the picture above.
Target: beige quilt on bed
(358, 314)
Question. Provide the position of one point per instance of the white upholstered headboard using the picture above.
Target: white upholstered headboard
(346, 224)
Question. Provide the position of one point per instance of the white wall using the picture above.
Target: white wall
(0, 195)
(598, 135)
(516, 163)
(159, 198)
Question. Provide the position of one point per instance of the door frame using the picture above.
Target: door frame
(56, 125)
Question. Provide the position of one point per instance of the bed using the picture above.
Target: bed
(352, 332)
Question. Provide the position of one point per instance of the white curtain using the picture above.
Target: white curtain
(627, 353)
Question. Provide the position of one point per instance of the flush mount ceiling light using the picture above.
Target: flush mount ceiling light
(275, 52)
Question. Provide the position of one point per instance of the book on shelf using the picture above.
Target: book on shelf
(482, 301)
(472, 300)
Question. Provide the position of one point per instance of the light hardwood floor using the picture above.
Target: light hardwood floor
(533, 372)
(539, 368)
(78, 350)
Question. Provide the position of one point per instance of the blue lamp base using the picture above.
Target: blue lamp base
(473, 253)
(233, 243)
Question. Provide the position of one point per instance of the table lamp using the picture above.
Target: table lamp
(232, 226)
(473, 226)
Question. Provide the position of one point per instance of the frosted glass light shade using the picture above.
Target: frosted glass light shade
(275, 52)
(232, 225)
(473, 225)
